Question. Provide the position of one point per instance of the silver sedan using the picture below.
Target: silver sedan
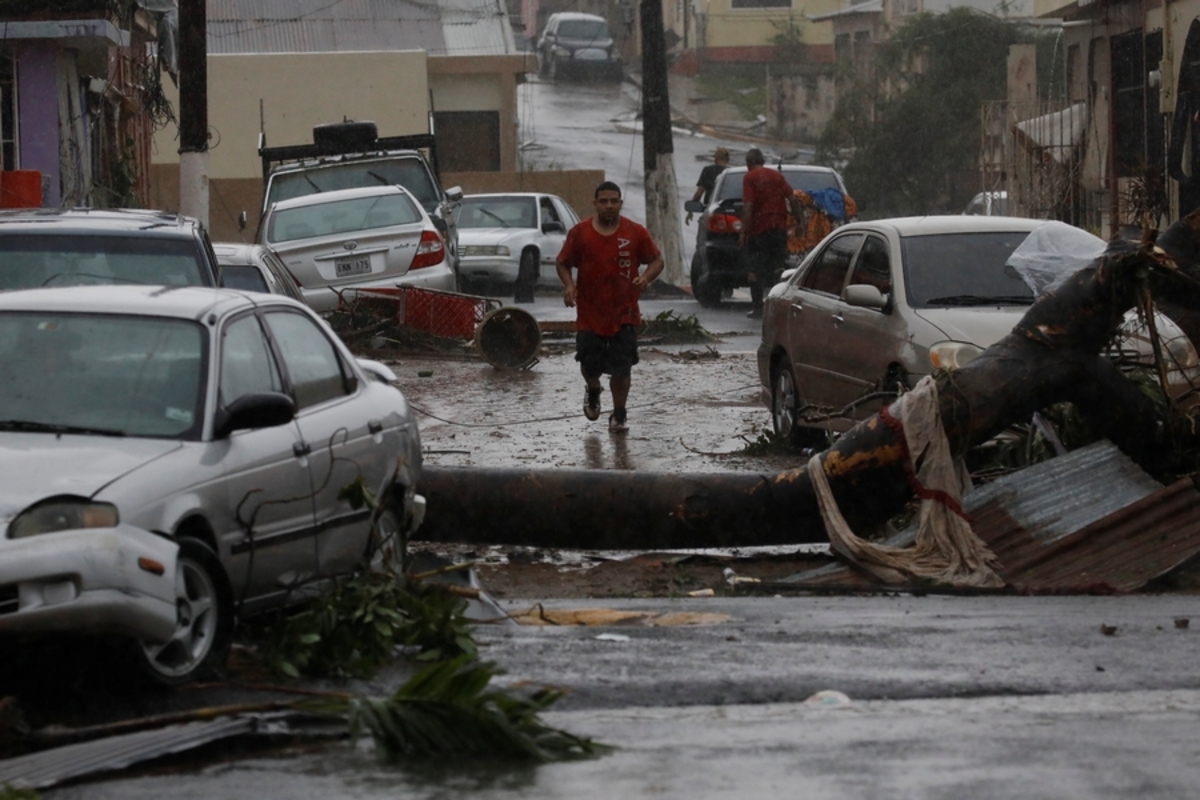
(175, 457)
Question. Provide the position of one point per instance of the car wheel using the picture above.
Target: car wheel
(704, 290)
(527, 276)
(555, 68)
(387, 542)
(204, 619)
(784, 402)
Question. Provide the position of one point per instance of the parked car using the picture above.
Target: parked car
(368, 238)
(881, 304)
(512, 238)
(719, 265)
(171, 456)
(254, 268)
(988, 204)
(574, 44)
(64, 247)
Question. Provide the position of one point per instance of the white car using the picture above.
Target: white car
(254, 268)
(366, 238)
(173, 457)
(512, 239)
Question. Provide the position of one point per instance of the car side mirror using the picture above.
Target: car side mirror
(693, 207)
(253, 411)
(454, 194)
(553, 226)
(864, 295)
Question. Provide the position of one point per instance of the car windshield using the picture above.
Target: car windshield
(963, 269)
(497, 212)
(591, 29)
(101, 373)
(407, 172)
(342, 216)
(807, 180)
(46, 259)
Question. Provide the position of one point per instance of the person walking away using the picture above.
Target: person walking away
(766, 198)
(607, 251)
(708, 179)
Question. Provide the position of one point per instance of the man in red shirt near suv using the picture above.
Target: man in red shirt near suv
(766, 198)
(607, 250)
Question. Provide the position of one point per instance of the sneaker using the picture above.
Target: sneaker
(616, 421)
(591, 404)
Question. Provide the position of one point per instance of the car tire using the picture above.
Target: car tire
(704, 289)
(785, 409)
(543, 60)
(555, 68)
(527, 276)
(386, 548)
(204, 624)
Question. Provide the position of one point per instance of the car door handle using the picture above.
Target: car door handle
(797, 308)
(838, 319)
(301, 449)
(374, 426)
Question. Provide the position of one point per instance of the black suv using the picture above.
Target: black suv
(79, 246)
(579, 44)
(719, 265)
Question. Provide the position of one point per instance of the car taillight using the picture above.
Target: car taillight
(430, 251)
(724, 223)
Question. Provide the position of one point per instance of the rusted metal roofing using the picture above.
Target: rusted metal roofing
(1087, 521)
(440, 27)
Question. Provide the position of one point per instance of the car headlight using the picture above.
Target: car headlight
(484, 250)
(63, 514)
(952, 355)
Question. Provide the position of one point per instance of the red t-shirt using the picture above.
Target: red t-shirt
(769, 191)
(605, 297)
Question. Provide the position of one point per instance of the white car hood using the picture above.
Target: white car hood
(981, 326)
(491, 236)
(40, 465)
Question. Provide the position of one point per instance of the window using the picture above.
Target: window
(48, 259)
(8, 114)
(343, 216)
(828, 272)
(247, 364)
(874, 266)
(244, 278)
(762, 4)
(313, 365)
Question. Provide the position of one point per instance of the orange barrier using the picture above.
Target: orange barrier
(21, 188)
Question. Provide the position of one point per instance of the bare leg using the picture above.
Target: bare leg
(619, 385)
(592, 381)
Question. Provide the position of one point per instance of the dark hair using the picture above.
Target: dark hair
(607, 186)
(755, 156)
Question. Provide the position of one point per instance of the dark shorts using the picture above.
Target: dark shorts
(607, 355)
(766, 256)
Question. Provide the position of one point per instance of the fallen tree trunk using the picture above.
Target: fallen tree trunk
(1052, 356)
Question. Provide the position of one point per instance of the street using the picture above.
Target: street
(944, 696)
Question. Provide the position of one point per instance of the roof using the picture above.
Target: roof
(183, 302)
(92, 221)
(947, 223)
(869, 7)
(440, 27)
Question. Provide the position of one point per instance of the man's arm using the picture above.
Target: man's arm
(564, 275)
(653, 270)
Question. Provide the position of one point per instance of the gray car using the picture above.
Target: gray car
(174, 457)
(254, 268)
(878, 305)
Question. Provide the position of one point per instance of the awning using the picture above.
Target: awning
(1057, 133)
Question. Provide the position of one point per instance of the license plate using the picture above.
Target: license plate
(358, 265)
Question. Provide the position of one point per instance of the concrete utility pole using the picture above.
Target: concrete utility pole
(662, 192)
(193, 109)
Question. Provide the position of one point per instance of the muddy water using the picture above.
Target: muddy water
(689, 411)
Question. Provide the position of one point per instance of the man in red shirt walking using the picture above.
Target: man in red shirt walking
(766, 198)
(607, 251)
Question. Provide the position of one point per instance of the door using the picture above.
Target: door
(815, 317)
(342, 444)
(552, 243)
(268, 483)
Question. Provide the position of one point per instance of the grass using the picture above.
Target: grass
(745, 86)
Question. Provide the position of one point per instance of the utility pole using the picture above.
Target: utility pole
(193, 109)
(662, 192)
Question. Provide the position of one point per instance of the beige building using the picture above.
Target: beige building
(280, 67)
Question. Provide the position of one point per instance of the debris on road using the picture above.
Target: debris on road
(540, 615)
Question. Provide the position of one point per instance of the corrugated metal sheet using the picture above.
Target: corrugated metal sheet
(1090, 520)
(448, 27)
(50, 767)
(1062, 495)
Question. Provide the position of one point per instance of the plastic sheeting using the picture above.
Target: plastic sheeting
(167, 12)
(1053, 252)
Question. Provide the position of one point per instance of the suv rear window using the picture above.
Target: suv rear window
(28, 261)
(808, 180)
(583, 29)
(408, 172)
